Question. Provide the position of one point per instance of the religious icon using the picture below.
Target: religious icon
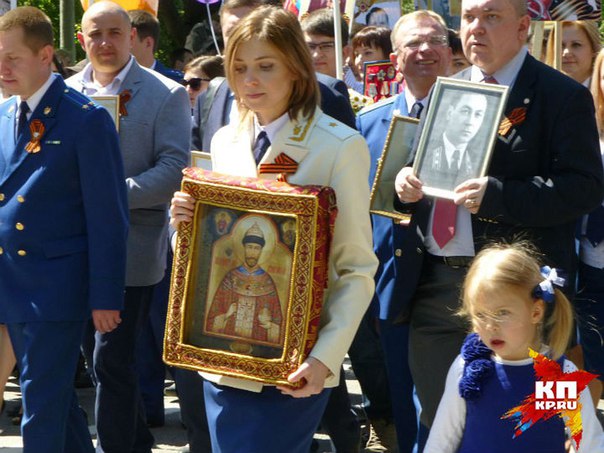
(222, 222)
(247, 284)
(246, 304)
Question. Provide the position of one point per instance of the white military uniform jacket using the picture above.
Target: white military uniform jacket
(328, 154)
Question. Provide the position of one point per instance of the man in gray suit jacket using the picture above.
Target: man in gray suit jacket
(154, 135)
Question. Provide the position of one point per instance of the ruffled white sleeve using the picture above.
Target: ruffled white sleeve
(448, 427)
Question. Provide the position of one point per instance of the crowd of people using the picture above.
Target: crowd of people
(440, 316)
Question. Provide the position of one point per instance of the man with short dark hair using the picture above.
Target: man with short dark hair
(63, 228)
(146, 43)
(318, 28)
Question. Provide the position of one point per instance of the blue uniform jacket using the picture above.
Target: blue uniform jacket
(170, 73)
(373, 123)
(63, 212)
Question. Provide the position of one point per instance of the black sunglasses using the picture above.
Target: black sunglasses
(194, 83)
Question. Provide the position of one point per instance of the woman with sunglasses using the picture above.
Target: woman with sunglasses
(270, 70)
(199, 72)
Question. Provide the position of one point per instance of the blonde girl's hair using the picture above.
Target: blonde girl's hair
(597, 92)
(503, 268)
(280, 29)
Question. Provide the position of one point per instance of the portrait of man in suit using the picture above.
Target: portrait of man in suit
(450, 158)
(246, 304)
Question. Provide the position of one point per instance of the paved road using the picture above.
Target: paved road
(169, 438)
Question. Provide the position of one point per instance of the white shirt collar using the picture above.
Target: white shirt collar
(34, 99)
(271, 128)
(91, 87)
(507, 74)
(410, 100)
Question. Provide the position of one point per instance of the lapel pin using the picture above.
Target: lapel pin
(47, 110)
(36, 128)
(526, 100)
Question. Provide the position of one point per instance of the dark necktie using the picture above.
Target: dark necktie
(416, 110)
(595, 226)
(454, 161)
(260, 146)
(22, 122)
(490, 79)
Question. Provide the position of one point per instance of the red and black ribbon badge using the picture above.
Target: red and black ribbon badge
(36, 127)
(283, 165)
(125, 96)
(516, 117)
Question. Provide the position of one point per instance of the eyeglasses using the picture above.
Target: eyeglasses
(434, 41)
(194, 83)
(322, 46)
(483, 319)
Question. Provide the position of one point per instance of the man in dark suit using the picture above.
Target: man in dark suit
(421, 55)
(146, 43)
(545, 173)
(63, 229)
(154, 138)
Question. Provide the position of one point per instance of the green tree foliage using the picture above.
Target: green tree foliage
(177, 17)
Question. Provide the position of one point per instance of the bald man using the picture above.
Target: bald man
(154, 133)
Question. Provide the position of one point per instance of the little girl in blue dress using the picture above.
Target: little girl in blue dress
(513, 306)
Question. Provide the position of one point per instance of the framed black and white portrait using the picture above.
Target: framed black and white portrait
(396, 154)
(201, 159)
(458, 135)
(111, 104)
(7, 5)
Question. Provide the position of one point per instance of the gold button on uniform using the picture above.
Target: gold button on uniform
(398, 252)
(20, 198)
(19, 226)
(1, 197)
(1, 250)
(21, 252)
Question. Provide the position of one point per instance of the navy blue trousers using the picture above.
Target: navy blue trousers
(47, 354)
(265, 422)
(120, 416)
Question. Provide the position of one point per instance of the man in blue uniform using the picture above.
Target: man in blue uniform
(421, 55)
(63, 229)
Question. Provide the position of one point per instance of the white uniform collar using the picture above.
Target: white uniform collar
(272, 128)
(34, 99)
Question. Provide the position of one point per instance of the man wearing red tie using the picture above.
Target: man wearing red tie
(545, 173)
